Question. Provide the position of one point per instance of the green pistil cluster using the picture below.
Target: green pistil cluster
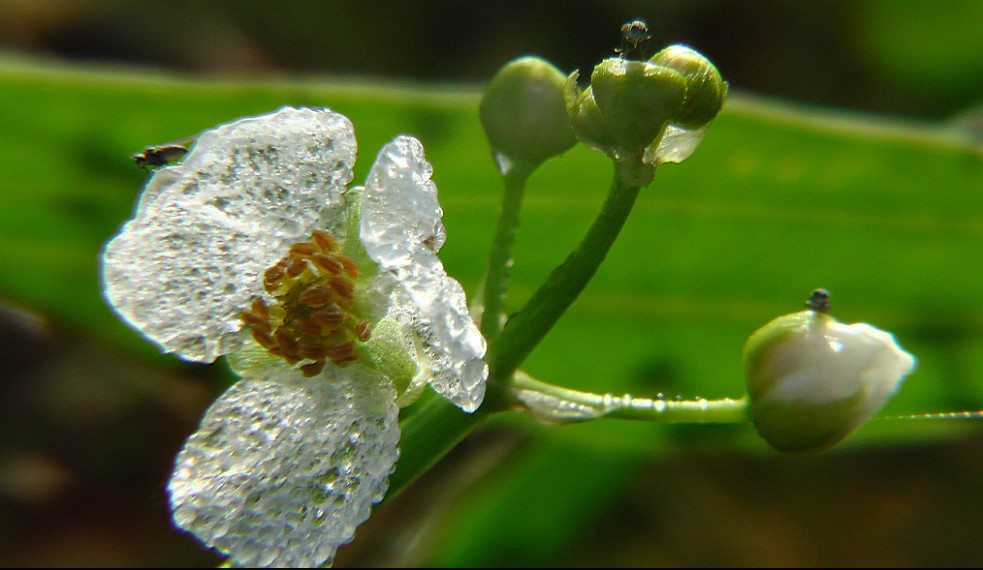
(312, 318)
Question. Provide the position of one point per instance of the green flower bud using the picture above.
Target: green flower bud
(705, 89)
(523, 111)
(812, 380)
(637, 100)
(587, 120)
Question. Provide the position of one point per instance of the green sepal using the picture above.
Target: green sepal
(637, 100)
(587, 120)
(386, 352)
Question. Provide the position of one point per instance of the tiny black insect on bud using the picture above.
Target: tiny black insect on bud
(634, 38)
(819, 301)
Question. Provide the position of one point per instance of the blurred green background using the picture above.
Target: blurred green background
(881, 201)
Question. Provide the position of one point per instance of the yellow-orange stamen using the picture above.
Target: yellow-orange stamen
(325, 241)
(259, 309)
(304, 249)
(310, 328)
(316, 297)
(351, 268)
(264, 338)
(328, 316)
(295, 267)
(311, 319)
(312, 369)
(328, 263)
(250, 319)
(343, 287)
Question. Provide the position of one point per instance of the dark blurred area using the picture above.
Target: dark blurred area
(87, 437)
(901, 57)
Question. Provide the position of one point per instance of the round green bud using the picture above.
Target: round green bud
(811, 380)
(586, 119)
(637, 100)
(705, 89)
(523, 111)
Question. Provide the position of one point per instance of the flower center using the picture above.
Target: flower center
(311, 318)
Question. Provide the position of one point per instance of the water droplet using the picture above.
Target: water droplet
(503, 162)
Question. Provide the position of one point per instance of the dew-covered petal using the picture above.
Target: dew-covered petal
(283, 468)
(402, 232)
(205, 229)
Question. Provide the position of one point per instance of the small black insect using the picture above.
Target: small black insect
(159, 155)
(634, 38)
(819, 301)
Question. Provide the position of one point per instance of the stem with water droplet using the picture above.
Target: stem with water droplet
(500, 260)
(555, 404)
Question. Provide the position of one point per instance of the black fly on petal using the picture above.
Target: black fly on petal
(819, 301)
(157, 156)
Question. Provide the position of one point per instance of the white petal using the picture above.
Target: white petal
(676, 145)
(402, 232)
(831, 361)
(284, 467)
(205, 229)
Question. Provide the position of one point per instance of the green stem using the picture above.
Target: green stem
(525, 330)
(432, 431)
(500, 260)
(556, 404)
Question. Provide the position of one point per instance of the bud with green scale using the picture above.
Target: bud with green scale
(655, 110)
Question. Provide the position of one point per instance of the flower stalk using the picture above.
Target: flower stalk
(500, 259)
(562, 405)
(525, 330)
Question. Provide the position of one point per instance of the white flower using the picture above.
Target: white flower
(290, 459)
(812, 380)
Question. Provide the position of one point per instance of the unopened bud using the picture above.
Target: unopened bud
(523, 111)
(811, 380)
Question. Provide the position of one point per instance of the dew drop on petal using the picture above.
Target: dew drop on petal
(401, 230)
(185, 266)
(283, 468)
